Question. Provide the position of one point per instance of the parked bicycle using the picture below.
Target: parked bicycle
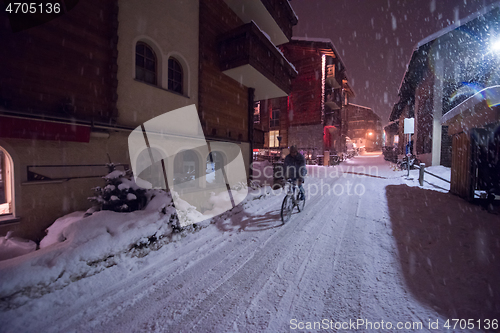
(291, 200)
(410, 161)
(334, 159)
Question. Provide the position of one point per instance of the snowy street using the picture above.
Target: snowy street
(346, 259)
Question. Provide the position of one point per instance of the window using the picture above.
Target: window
(256, 113)
(274, 121)
(175, 76)
(6, 193)
(273, 139)
(186, 169)
(145, 63)
(215, 163)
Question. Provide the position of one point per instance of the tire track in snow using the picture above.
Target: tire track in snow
(250, 278)
(195, 286)
(202, 311)
(305, 246)
(304, 298)
(114, 302)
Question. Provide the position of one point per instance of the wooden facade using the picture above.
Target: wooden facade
(305, 99)
(461, 166)
(66, 67)
(423, 109)
(474, 126)
(222, 102)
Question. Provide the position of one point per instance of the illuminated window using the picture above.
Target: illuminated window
(6, 183)
(273, 139)
(256, 113)
(145, 63)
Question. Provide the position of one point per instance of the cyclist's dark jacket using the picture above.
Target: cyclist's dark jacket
(295, 167)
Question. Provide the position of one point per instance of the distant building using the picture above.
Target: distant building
(311, 116)
(364, 127)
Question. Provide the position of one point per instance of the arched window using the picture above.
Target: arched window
(145, 63)
(186, 169)
(6, 183)
(175, 75)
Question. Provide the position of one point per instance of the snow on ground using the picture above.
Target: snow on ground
(430, 181)
(367, 248)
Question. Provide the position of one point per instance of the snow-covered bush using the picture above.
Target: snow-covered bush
(121, 193)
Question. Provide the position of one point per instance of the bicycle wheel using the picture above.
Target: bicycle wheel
(286, 208)
(301, 203)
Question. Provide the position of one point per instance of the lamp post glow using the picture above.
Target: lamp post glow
(495, 45)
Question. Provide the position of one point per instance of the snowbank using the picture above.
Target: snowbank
(76, 246)
(11, 247)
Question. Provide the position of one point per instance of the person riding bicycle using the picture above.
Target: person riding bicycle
(295, 168)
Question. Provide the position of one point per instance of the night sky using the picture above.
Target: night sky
(375, 38)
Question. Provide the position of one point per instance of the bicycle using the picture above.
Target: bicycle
(291, 200)
(410, 160)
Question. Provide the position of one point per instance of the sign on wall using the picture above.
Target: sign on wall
(409, 125)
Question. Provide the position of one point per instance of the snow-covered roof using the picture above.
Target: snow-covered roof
(444, 31)
(456, 24)
(327, 41)
(490, 94)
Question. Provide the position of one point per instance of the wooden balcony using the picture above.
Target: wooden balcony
(275, 17)
(332, 77)
(249, 57)
(333, 100)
